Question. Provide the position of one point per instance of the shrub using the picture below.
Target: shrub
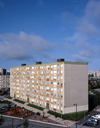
(5, 101)
(38, 113)
(35, 106)
(1, 119)
(26, 124)
(20, 101)
(70, 116)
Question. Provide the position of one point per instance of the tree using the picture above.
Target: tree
(56, 116)
(47, 105)
(96, 100)
(26, 123)
(1, 119)
(43, 114)
(89, 87)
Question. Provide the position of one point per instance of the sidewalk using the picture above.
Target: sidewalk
(59, 120)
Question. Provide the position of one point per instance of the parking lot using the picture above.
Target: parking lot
(91, 125)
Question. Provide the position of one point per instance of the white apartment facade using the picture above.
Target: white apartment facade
(59, 85)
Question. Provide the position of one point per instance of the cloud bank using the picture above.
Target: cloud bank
(22, 46)
(87, 35)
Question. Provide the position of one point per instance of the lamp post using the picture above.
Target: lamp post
(61, 111)
(84, 113)
(76, 114)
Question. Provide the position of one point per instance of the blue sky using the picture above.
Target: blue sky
(45, 30)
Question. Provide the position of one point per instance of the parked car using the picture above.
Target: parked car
(96, 116)
(92, 122)
(2, 93)
(1, 99)
(6, 107)
(12, 105)
(2, 108)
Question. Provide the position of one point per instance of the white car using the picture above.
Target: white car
(96, 117)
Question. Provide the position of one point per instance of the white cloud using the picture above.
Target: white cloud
(80, 58)
(68, 17)
(92, 11)
(87, 35)
(87, 29)
(22, 46)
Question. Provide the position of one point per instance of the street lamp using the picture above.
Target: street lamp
(76, 114)
(84, 112)
(61, 111)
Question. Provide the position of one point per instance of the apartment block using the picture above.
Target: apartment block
(4, 81)
(2, 71)
(98, 73)
(57, 86)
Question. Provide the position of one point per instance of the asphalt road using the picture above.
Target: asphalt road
(32, 124)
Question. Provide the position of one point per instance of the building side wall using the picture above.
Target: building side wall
(75, 87)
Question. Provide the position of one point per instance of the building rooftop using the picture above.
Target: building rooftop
(62, 62)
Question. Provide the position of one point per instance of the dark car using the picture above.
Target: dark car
(2, 93)
(12, 105)
(92, 122)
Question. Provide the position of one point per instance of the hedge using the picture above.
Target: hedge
(5, 101)
(35, 106)
(20, 101)
(69, 116)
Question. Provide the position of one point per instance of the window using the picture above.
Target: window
(57, 71)
(57, 89)
(41, 67)
(51, 94)
(51, 83)
(61, 83)
(45, 66)
(57, 83)
(61, 95)
(51, 66)
(41, 72)
(57, 77)
(51, 77)
(61, 101)
(51, 72)
(61, 65)
(51, 105)
(48, 66)
(51, 89)
(57, 65)
(45, 72)
(57, 95)
(51, 100)
(58, 101)
(41, 82)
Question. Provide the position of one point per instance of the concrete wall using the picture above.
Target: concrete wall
(75, 87)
